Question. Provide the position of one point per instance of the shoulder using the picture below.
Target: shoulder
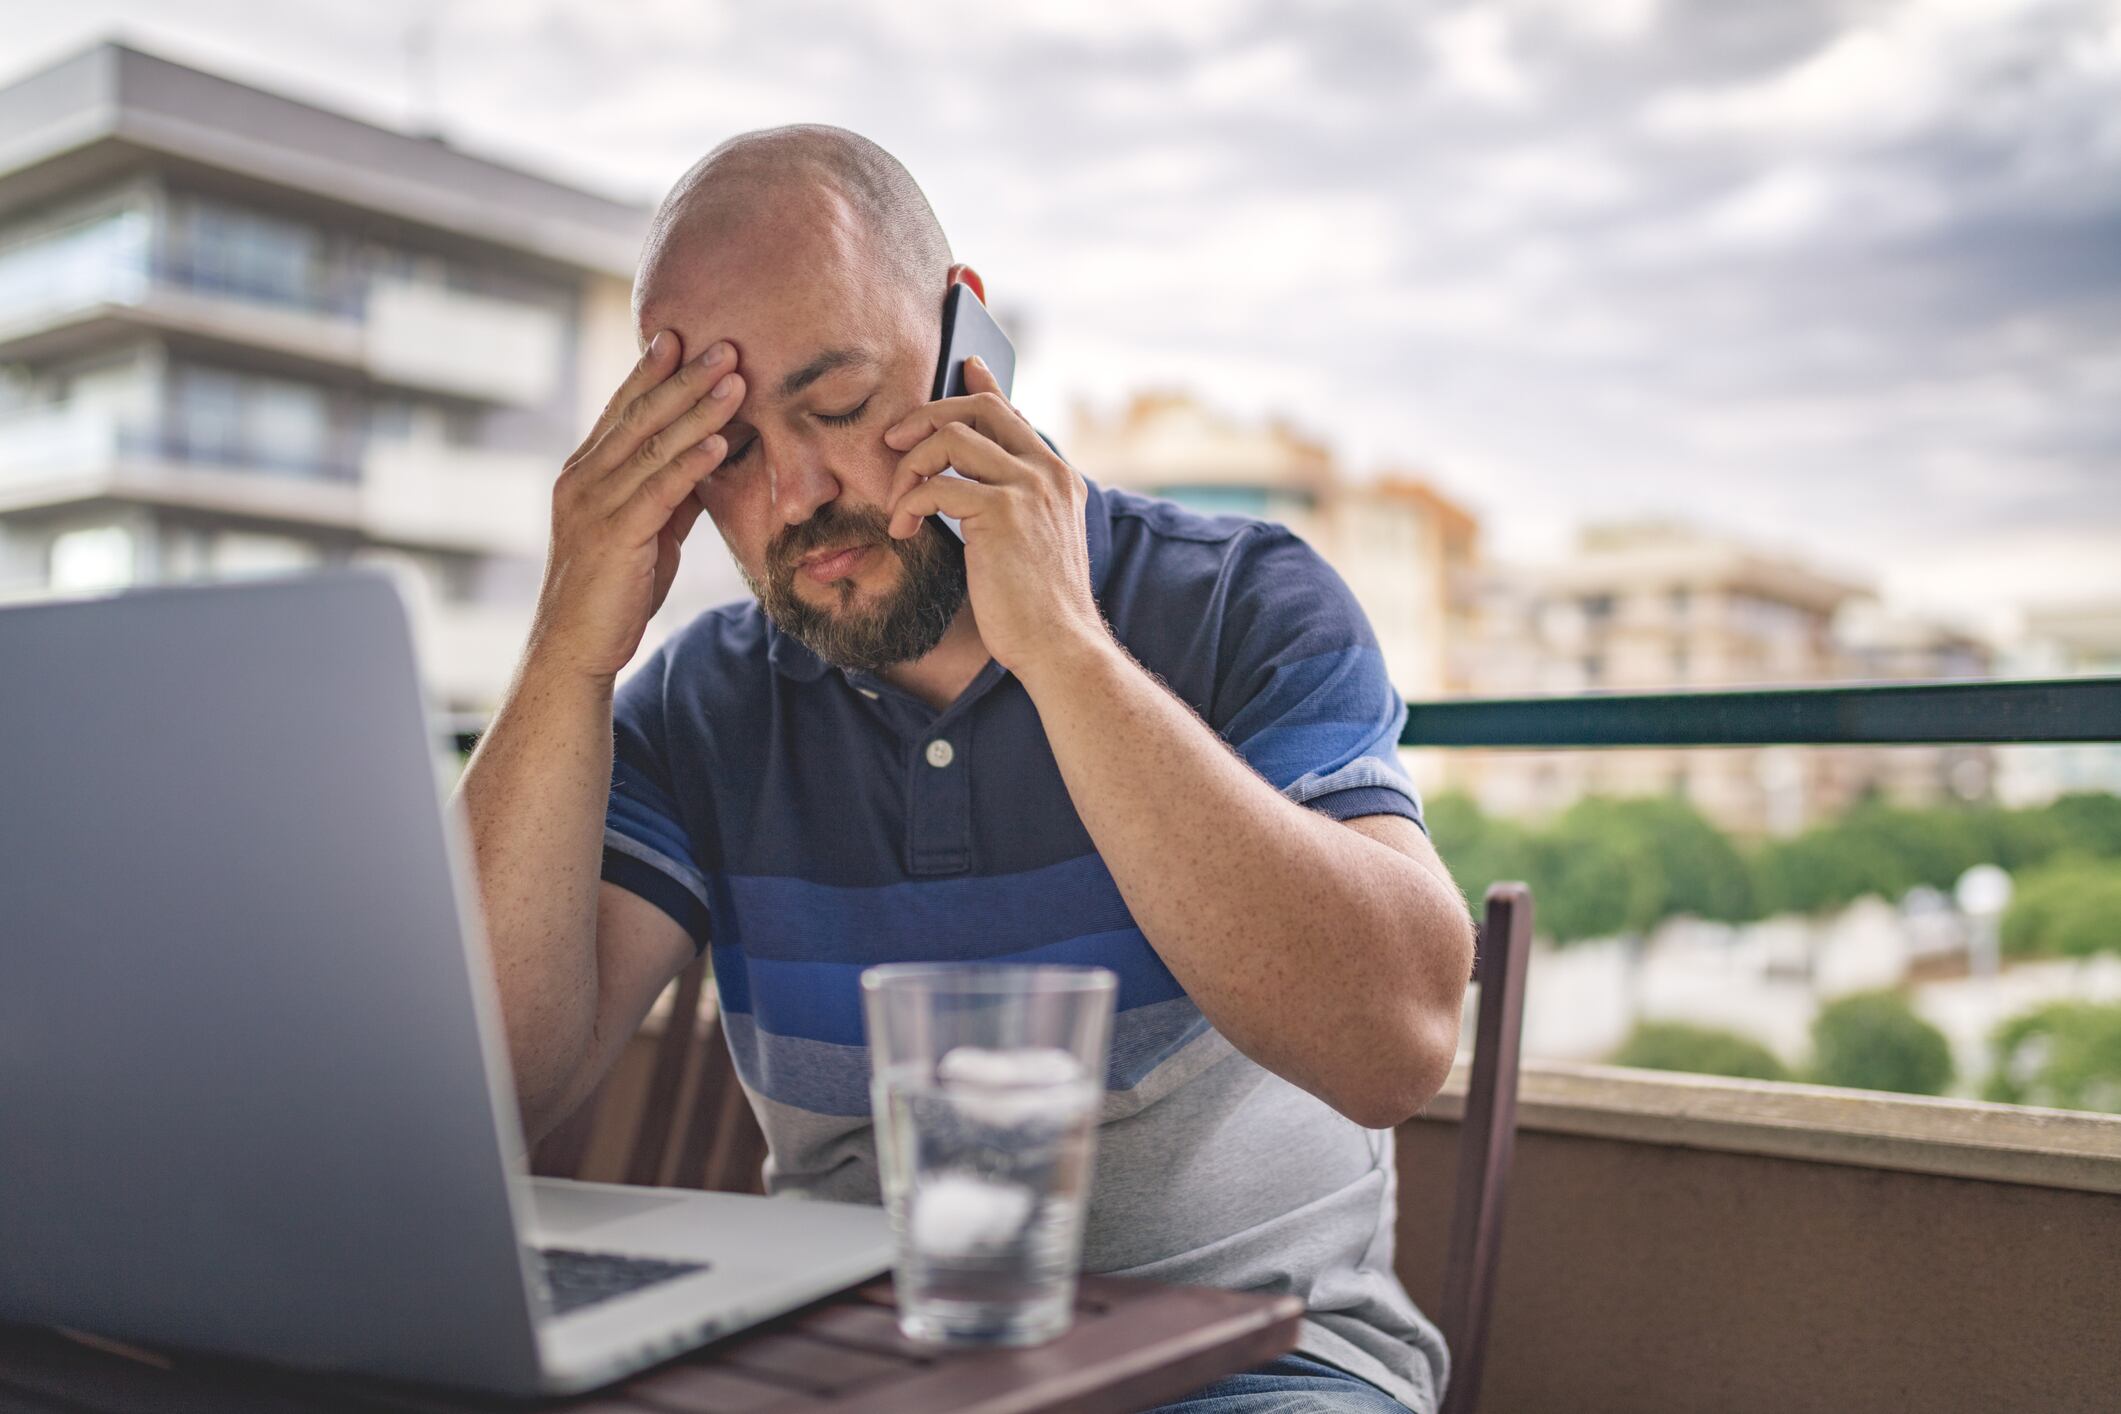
(1229, 570)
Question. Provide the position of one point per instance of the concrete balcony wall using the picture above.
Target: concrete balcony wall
(465, 497)
(1680, 1244)
(472, 345)
(1687, 1243)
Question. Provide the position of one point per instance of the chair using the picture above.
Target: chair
(1487, 1135)
(692, 1098)
(693, 1094)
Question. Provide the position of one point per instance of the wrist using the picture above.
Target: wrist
(1072, 656)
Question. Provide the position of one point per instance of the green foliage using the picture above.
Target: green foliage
(1589, 882)
(2065, 1055)
(2090, 822)
(1607, 866)
(1874, 1041)
(1703, 1050)
(2071, 908)
(1478, 848)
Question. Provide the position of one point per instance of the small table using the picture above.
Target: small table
(1134, 1344)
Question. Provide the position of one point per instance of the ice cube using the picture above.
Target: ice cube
(1012, 1088)
(1028, 1065)
(956, 1214)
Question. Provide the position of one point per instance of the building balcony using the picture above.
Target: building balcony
(465, 499)
(395, 333)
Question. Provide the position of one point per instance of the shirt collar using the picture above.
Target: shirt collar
(793, 660)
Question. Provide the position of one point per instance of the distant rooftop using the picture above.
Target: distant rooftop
(110, 103)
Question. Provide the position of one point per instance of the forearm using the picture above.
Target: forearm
(535, 792)
(1326, 956)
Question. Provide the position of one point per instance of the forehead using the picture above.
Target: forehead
(785, 281)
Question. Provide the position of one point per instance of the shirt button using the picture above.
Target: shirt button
(940, 753)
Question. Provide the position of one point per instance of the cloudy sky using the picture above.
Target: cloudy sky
(1841, 277)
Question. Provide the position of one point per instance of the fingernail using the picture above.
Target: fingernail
(718, 351)
(655, 343)
(727, 386)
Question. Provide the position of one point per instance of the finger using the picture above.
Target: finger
(651, 368)
(961, 447)
(980, 379)
(688, 511)
(659, 498)
(692, 427)
(652, 411)
(962, 499)
(986, 410)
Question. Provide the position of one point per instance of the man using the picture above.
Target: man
(910, 749)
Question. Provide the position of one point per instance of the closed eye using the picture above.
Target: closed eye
(837, 419)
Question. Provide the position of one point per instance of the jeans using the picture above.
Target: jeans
(1294, 1384)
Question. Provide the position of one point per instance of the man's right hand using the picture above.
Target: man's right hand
(623, 506)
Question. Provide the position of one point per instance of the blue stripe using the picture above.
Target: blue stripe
(1318, 714)
(641, 813)
(822, 1001)
(958, 919)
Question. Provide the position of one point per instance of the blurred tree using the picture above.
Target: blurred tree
(1477, 848)
(1695, 869)
(2065, 1055)
(2090, 822)
(1592, 882)
(1828, 868)
(2069, 908)
(2017, 839)
(1874, 1041)
(1703, 1050)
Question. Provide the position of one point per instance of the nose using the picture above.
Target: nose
(800, 483)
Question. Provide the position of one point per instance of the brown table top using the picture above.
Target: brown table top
(1134, 1344)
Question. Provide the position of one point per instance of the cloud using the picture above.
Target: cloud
(1840, 272)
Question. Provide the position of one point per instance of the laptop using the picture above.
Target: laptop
(254, 1091)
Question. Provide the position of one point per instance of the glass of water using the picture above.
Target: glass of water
(986, 1081)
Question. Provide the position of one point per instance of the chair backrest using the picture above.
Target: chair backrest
(692, 1129)
(1486, 1137)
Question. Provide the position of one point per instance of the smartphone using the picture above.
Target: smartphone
(967, 330)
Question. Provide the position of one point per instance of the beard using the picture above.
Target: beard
(903, 626)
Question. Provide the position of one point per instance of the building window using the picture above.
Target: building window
(229, 251)
(85, 560)
(104, 260)
(237, 419)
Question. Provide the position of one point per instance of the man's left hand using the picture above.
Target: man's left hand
(1027, 564)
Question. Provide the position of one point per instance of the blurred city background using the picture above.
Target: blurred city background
(1601, 346)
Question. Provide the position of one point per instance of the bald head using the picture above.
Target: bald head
(743, 189)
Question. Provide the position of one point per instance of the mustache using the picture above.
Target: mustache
(829, 524)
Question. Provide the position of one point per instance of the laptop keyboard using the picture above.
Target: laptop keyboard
(574, 1278)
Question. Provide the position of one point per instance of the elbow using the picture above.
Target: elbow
(1395, 1083)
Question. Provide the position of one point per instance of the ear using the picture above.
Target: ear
(965, 274)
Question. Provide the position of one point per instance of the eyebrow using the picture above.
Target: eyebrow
(823, 364)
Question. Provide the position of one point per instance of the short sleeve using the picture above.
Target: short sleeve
(1301, 689)
(647, 849)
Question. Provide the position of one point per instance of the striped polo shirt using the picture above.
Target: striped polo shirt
(804, 822)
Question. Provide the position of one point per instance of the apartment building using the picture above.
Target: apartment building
(1407, 551)
(241, 333)
(1650, 607)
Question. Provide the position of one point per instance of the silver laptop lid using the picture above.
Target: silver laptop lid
(252, 1093)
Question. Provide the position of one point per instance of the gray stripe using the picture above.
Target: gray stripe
(1155, 1049)
(1362, 771)
(662, 863)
